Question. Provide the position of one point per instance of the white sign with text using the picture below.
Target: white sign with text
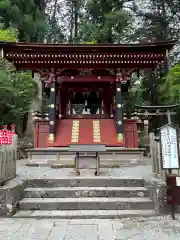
(169, 147)
(178, 181)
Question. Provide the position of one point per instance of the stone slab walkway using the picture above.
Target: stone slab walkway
(154, 228)
(47, 172)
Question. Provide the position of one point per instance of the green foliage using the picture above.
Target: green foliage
(170, 90)
(104, 22)
(90, 42)
(16, 88)
(16, 93)
(9, 35)
(26, 16)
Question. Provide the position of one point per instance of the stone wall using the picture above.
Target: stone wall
(157, 192)
(10, 195)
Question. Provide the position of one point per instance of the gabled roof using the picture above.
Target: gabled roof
(64, 56)
(43, 47)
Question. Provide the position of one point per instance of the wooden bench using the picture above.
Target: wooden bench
(87, 148)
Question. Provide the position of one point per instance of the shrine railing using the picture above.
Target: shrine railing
(157, 169)
(8, 157)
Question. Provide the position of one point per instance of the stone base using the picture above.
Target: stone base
(10, 195)
(114, 156)
(157, 190)
(84, 214)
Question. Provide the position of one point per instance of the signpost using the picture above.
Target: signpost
(169, 146)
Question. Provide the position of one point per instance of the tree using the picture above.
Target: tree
(105, 21)
(156, 22)
(170, 90)
(27, 16)
(55, 22)
(17, 89)
(16, 93)
(73, 14)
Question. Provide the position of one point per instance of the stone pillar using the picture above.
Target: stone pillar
(52, 108)
(169, 116)
(146, 128)
(119, 112)
(36, 105)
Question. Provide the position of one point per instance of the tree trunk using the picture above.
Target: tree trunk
(53, 21)
(75, 20)
(71, 24)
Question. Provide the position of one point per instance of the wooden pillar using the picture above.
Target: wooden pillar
(119, 112)
(112, 102)
(60, 101)
(101, 101)
(71, 101)
(107, 100)
(52, 108)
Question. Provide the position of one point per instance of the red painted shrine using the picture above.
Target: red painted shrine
(85, 85)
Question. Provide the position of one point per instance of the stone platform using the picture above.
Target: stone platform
(113, 157)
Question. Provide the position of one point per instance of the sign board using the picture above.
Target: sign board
(169, 146)
(173, 192)
(87, 148)
(178, 181)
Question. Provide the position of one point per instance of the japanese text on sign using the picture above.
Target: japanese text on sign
(169, 147)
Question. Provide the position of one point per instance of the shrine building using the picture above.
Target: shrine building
(85, 85)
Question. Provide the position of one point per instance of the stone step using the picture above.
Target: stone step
(104, 160)
(86, 182)
(85, 203)
(103, 164)
(85, 214)
(72, 192)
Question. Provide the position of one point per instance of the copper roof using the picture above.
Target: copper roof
(62, 56)
(30, 47)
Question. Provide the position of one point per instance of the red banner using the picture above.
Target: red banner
(6, 135)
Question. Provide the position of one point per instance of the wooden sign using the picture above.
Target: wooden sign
(169, 145)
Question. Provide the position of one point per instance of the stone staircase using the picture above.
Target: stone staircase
(82, 197)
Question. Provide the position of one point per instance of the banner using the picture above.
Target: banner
(6, 135)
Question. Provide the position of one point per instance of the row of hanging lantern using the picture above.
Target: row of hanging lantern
(88, 56)
(85, 61)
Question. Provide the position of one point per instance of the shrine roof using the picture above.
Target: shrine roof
(46, 47)
(34, 56)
